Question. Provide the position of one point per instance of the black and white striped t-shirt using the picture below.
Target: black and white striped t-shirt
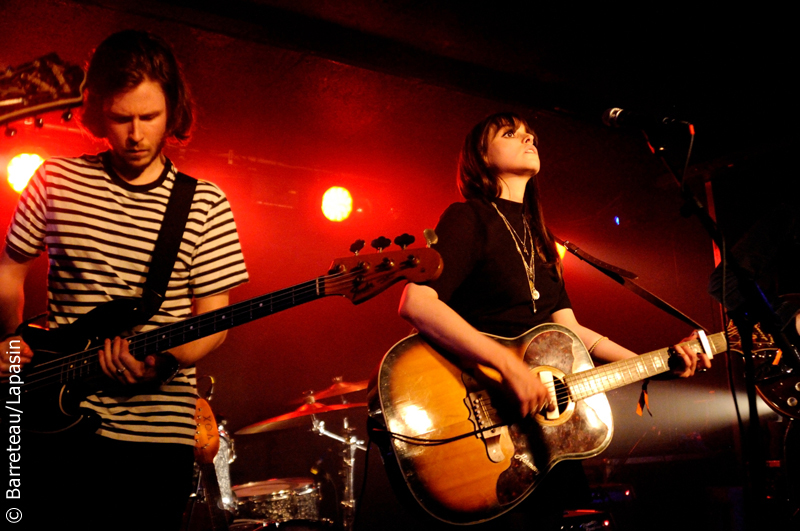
(99, 232)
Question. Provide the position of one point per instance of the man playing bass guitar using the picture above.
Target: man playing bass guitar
(98, 218)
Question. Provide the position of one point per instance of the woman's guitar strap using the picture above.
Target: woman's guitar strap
(625, 278)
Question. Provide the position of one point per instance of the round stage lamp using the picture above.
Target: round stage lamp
(21, 168)
(337, 203)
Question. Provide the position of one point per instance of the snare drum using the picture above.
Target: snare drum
(279, 500)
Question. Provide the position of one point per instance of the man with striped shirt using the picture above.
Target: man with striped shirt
(97, 217)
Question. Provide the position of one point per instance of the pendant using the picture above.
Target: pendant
(534, 291)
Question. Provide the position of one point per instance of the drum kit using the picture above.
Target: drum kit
(288, 503)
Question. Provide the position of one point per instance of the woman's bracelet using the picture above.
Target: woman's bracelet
(594, 345)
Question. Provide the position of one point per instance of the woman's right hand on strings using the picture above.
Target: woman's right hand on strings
(420, 305)
(526, 388)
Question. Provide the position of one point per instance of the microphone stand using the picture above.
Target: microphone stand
(756, 309)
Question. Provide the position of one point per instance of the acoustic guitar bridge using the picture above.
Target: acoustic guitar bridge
(484, 416)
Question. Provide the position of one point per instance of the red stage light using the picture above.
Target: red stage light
(337, 203)
(21, 168)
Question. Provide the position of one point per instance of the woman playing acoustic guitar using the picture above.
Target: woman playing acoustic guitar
(502, 276)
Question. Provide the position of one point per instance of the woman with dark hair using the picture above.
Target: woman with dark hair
(502, 276)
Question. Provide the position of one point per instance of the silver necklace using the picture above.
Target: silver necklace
(530, 270)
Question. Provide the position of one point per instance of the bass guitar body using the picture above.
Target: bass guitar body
(66, 369)
(463, 452)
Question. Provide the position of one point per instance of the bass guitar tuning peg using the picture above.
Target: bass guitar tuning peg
(357, 246)
(404, 240)
(381, 243)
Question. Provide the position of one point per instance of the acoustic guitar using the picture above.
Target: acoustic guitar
(463, 451)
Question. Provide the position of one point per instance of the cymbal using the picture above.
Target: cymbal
(339, 387)
(294, 418)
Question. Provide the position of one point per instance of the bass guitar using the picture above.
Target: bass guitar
(462, 451)
(65, 367)
(206, 446)
(39, 86)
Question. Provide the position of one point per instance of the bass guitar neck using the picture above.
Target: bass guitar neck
(65, 368)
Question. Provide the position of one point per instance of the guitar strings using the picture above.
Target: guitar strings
(595, 380)
(421, 441)
(44, 373)
(279, 299)
(50, 372)
(592, 381)
(567, 389)
(560, 387)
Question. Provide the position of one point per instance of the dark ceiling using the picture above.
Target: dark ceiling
(725, 71)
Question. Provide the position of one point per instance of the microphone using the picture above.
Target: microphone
(616, 117)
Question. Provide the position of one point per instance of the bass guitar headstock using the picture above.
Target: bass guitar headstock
(361, 277)
(42, 85)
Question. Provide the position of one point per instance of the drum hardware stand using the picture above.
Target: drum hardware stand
(351, 444)
(311, 408)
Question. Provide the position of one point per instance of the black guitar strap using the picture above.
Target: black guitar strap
(625, 278)
(168, 243)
